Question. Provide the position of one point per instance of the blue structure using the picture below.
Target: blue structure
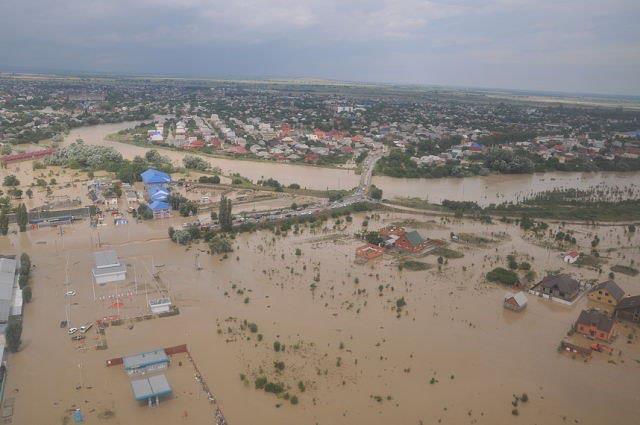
(156, 184)
(151, 389)
(146, 361)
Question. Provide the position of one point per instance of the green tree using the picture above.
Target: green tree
(22, 217)
(224, 214)
(4, 222)
(26, 294)
(25, 264)
(375, 193)
(11, 180)
(14, 335)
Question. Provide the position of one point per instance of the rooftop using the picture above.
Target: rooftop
(153, 176)
(611, 287)
(153, 386)
(146, 358)
(595, 318)
(105, 259)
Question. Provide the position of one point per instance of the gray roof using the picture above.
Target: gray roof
(7, 281)
(104, 271)
(520, 298)
(106, 259)
(595, 318)
(146, 358)
(563, 282)
(8, 265)
(611, 287)
(152, 386)
(629, 302)
(414, 238)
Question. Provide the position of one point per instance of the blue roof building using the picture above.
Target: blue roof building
(159, 206)
(155, 177)
(157, 194)
(150, 389)
(146, 361)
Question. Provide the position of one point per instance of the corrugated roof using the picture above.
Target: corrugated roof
(158, 205)
(629, 302)
(152, 386)
(152, 176)
(146, 358)
(106, 259)
(520, 298)
(414, 238)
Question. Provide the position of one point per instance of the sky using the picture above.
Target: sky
(584, 46)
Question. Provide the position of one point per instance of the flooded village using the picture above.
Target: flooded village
(236, 291)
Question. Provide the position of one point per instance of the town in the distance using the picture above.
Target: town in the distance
(316, 252)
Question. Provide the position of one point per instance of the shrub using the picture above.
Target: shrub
(504, 276)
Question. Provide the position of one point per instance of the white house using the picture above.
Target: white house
(571, 257)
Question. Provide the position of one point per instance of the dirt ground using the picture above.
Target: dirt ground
(452, 355)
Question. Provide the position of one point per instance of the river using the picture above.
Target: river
(482, 189)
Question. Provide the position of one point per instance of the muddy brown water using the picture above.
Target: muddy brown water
(453, 330)
(484, 190)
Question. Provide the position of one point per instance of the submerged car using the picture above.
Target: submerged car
(71, 331)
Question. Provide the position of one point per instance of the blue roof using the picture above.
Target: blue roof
(157, 194)
(152, 176)
(153, 386)
(144, 359)
(158, 205)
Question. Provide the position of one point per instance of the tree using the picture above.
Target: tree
(14, 334)
(22, 217)
(224, 214)
(375, 193)
(220, 245)
(29, 193)
(26, 294)
(504, 276)
(11, 180)
(25, 264)
(4, 223)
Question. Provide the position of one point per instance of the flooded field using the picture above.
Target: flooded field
(484, 190)
(451, 355)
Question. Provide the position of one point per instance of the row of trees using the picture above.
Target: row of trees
(14, 328)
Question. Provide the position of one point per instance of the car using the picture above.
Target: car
(70, 293)
(85, 328)
(71, 331)
(78, 337)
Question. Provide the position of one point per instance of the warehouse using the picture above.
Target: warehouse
(108, 268)
(151, 389)
(7, 283)
(147, 361)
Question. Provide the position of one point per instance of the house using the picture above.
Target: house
(515, 302)
(595, 324)
(155, 178)
(607, 293)
(571, 257)
(629, 309)
(560, 286)
(148, 361)
(412, 242)
(108, 267)
(160, 209)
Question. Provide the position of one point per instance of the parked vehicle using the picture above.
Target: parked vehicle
(71, 331)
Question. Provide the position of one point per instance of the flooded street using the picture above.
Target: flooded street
(453, 355)
(484, 190)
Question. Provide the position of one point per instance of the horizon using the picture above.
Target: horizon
(576, 47)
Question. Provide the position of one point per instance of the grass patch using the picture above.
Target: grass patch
(447, 253)
(415, 265)
(474, 239)
(502, 275)
(586, 260)
(628, 270)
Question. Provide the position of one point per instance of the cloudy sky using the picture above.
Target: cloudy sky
(590, 46)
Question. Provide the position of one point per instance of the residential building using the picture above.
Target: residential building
(607, 293)
(595, 324)
(629, 309)
(560, 286)
(515, 302)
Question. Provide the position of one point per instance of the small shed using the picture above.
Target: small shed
(159, 305)
(108, 267)
(515, 302)
(571, 257)
(150, 389)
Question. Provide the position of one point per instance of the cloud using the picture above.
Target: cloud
(437, 40)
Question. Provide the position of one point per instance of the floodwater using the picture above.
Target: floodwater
(484, 190)
(454, 355)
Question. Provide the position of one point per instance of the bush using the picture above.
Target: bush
(276, 346)
(504, 276)
(294, 400)
(26, 294)
(253, 327)
(260, 382)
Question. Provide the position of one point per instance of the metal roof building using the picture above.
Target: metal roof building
(153, 176)
(7, 282)
(146, 361)
(108, 267)
(151, 388)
